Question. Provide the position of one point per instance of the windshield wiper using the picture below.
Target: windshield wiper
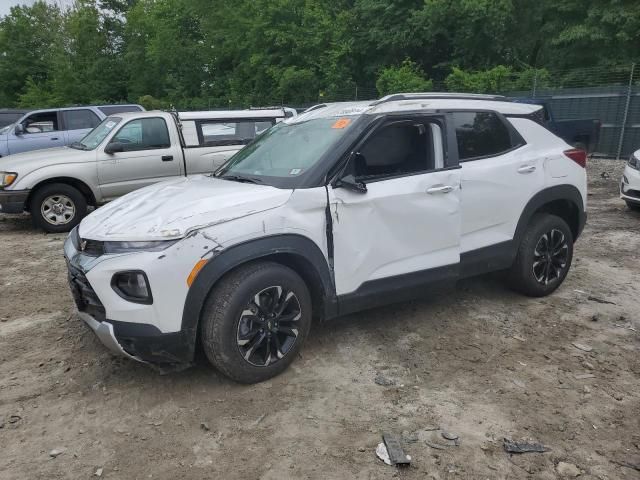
(239, 178)
(78, 146)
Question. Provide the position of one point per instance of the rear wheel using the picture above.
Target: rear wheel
(255, 321)
(57, 207)
(544, 256)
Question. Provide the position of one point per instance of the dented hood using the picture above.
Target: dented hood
(172, 209)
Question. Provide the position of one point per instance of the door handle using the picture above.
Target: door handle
(167, 158)
(54, 138)
(527, 169)
(442, 189)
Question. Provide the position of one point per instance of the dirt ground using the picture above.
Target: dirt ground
(479, 361)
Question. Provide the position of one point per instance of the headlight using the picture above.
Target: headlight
(132, 286)
(7, 178)
(634, 162)
(124, 247)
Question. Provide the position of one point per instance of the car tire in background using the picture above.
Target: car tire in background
(57, 207)
(255, 321)
(544, 256)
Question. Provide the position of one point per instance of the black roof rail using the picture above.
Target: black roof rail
(449, 96)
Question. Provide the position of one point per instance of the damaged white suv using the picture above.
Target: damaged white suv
(345, 207)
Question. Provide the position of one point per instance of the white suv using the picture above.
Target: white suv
(630, 184)
(345, 207)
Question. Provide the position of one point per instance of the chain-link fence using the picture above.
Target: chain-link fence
(610, 95)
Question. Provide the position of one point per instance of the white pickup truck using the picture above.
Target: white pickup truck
(125, 152)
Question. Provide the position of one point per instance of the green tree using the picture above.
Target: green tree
(407, 77)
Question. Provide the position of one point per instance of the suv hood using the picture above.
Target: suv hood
(29, 161)
(172, 209)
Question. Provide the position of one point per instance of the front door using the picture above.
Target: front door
(405, 229)
(143, 153)
(40, 130)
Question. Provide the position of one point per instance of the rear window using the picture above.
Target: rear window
(481, 134)
(112, 109)
(230, 132)
(79, 119)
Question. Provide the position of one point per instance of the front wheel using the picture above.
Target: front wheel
(544, 256)
(255, 321)
(58, 207)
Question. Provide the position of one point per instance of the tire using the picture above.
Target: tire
(69, 203)
(633, 206)
(230, 332)
(529, 273)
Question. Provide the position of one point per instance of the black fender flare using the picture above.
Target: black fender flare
(226, 260)
(543, 197)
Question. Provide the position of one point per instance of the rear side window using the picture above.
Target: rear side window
(79, 119)
(229, 132)
(110, 110)
(481, 134)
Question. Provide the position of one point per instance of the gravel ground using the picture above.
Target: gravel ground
(479, 361)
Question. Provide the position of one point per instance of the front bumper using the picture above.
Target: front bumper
(13, 201)
(630, 185)
(138, 341)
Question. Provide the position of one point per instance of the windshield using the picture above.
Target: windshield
(285, 151)
(97, 135)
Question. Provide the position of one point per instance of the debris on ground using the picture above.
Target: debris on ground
(390, 451)
(633, 466)
(98, 472)
(584, 376)
(600, 300)
(580, 346)
(381, 452)
(384, 381)
(205, 426)
(568, 470)
(56, 452)
(511, 446)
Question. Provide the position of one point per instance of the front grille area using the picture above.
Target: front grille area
(93, 248)
(83, 294)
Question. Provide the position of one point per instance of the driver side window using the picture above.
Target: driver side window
(41, 123)
(399, 148)
(143, 134)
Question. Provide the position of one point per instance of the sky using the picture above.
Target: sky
(5, 5)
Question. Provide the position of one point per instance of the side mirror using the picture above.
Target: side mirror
(350, 183)
(114, 147)
(19, 129)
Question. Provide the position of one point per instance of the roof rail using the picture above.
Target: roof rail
(315, 107)
(451, 96)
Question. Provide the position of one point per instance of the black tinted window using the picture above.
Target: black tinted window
(79, 119)
(110, 110)
(480, 134)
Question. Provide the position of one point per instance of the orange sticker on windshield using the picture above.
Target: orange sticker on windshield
(343, 122)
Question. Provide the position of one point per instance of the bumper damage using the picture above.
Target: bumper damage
(13, 201)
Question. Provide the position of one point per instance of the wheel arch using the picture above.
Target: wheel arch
(71, 181)
(565, 201)
(297, 252)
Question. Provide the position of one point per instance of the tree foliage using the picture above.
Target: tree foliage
(203, 53)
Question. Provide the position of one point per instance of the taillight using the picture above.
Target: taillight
(577, 155)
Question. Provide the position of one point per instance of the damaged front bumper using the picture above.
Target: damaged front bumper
(141, 342)
(13, 201)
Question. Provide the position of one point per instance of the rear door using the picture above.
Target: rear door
(500, 173)
(149, 153)
(77, 123)
(40, 130)
(405, 229)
